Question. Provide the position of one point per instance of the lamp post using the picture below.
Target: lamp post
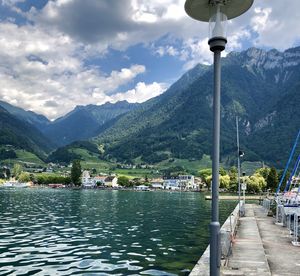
(240, 154)
(216, 12)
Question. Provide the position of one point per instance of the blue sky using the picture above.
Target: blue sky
(57, 54)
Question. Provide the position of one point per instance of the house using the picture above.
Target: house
(172, 184)
(157, 186)
(99, 180)
(157, 183)
(187, 182)
(181, 182)
(87, 180)
(111, 181)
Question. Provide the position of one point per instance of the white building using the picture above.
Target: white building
(91, 182)
(172, 184)
(87, 180)
(156, 185)
(142, 188)
(99, 180)
(182, 182)
(187, 182)
(111, 181)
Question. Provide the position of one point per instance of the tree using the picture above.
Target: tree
(123, 181)
(272, 179)
(222, 171)
(233, 175)
(255, 183)
(224, 181)
(17, 169)
(24, 177)
(204, 173)
(264, 172)
(76, 172)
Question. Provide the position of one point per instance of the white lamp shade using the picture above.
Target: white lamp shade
(200, 9)
(217, 23)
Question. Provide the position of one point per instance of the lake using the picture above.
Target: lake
(94, 232)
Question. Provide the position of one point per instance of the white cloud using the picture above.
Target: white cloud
(140, 93)
(10, 2)
(276, 23)
(120, 24)
(42, 63)
(197, 51)
(167, 50)
(43, 72)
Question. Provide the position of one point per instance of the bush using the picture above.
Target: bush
(255, 183)
(52, 179)
(24, 177)
(224, 181)
(123, 181)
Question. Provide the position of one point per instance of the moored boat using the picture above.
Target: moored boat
(15, 184)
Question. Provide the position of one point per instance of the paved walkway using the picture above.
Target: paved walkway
(248, 254)
(262, 248)
(282, 256)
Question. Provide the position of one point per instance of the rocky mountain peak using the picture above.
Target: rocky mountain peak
(267, 63)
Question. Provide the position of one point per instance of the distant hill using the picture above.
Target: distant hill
(39, 121)
(82, 123)
(22, 135)
(73, 151)
(85, 122)
(261, 87)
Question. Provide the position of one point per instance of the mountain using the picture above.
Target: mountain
(260, 87)
(83, 150)
(85, 122)
(37, 120)
(22, 135)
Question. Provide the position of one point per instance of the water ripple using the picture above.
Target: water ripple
(64, 232)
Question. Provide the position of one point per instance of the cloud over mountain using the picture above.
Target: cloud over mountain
(52, 53)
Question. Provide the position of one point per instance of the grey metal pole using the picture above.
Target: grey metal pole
(239, 165)
(215, 225)
(217, 45)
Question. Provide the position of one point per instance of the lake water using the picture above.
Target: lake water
(93, 232)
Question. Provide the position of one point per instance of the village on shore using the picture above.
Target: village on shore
(178, 183)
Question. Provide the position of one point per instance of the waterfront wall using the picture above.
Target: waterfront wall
(227, 231)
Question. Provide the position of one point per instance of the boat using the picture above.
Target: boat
(288, 202)
(143, 188)
(14, 184)
(55, 186)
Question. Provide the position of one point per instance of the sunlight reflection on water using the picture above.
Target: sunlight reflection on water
(64, 232)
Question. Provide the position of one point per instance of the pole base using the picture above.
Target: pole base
(217, 43)
(215, 250)
(294, 243)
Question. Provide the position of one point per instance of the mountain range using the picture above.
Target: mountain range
(260, 87)
(22, 135)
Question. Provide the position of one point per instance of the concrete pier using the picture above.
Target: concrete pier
(248, 255)
(259, 248)
(236, 197)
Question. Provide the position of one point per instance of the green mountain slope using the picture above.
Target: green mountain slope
(22, 135)
(178, 124)
(39, 121)
(84, 122)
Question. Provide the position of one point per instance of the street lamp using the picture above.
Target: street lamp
(216, 12)
(240, 154)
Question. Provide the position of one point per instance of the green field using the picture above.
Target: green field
(25, 156)
(92, 160)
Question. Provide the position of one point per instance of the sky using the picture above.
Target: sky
(57, 54)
